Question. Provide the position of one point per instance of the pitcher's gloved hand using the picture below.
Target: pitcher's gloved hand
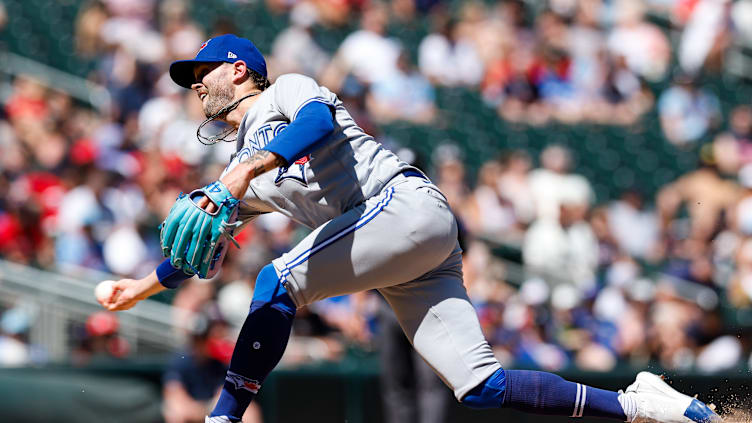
(196, 233)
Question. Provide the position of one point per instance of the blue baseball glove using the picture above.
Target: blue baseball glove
(196, 240)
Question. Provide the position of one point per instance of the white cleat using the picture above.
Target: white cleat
(657, 402)
(217, 419)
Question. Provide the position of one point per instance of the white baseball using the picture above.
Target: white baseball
(103, 291)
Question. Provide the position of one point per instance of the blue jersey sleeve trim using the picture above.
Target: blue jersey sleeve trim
(169, 276)
(312, 100)
(313, 123)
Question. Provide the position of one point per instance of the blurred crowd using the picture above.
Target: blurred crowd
(632, 280)
(636, 279)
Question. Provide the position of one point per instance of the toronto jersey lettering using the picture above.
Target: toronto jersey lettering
(346, 169)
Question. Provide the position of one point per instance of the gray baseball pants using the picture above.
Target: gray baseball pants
(402, 242)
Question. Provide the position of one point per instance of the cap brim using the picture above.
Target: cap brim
(181, 71)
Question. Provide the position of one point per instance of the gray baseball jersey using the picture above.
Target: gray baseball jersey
(375, 228)
(348, 168)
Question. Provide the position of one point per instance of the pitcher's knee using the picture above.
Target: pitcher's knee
(269, 291)
(489, 393)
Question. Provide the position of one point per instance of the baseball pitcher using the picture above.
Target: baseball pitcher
(378, 223)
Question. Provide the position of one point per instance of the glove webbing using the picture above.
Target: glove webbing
(223, 228)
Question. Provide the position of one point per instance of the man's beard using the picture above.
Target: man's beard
(217, 98)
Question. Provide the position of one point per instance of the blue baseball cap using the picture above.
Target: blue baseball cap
(224, 48)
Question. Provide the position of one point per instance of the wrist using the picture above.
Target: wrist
(238, 181)
(152, 288)
(148, 286)
(166, 277)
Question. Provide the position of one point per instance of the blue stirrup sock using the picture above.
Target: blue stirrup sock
(489, 394)
(544, 393)
(260, 345)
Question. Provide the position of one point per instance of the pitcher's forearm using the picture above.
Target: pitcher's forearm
(238, 180)
(261, 162)
(150, 285)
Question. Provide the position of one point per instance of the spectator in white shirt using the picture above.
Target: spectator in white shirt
(447, 59)
(366, 54)
(642, 44)
(547, 183)
(563, 250)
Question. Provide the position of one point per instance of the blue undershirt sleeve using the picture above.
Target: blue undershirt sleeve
(312, 125)
(169, 276)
